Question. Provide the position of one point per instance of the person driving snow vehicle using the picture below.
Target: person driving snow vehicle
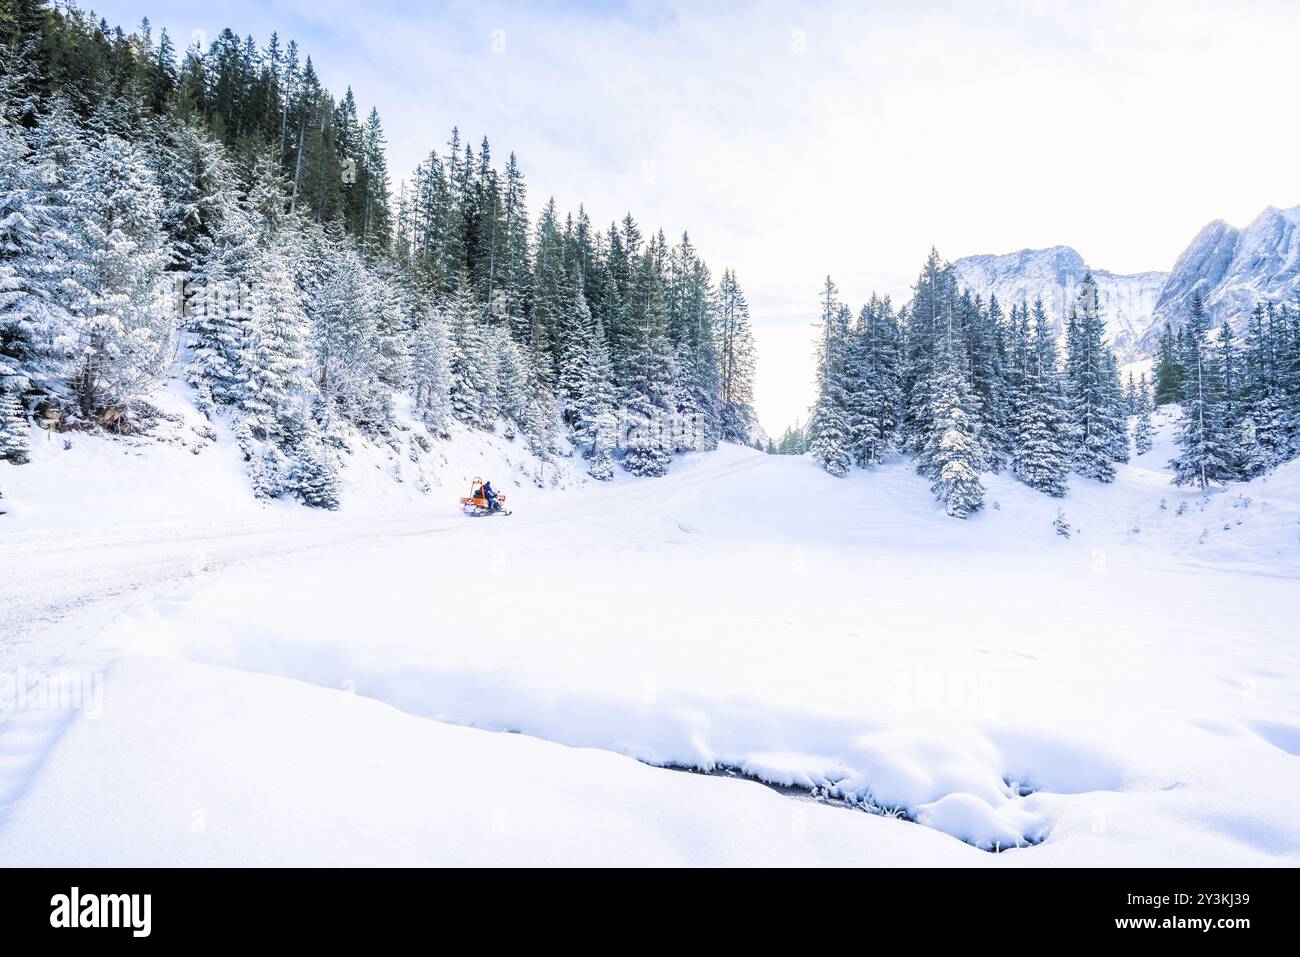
(491, 496)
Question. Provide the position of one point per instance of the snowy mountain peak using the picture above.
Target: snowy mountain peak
(1230, 268)
(1054, 274)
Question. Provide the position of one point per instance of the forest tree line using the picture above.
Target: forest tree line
(217, 211)
(969, 388)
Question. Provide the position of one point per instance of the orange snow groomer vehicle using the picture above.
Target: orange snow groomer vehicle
(477, 502)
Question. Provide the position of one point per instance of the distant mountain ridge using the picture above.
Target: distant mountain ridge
(1231, 268)
(1054, 275)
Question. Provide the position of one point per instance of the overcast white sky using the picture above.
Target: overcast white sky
(844, 138)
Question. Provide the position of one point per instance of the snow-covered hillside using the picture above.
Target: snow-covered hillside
(1053, 275)
(93, 515)
(189, 469)
(921, 690)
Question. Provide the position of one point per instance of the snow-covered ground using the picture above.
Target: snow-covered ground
(272, 685)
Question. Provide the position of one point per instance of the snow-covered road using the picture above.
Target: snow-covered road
(48, 578)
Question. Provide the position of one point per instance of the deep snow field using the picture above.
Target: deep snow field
(273, 685)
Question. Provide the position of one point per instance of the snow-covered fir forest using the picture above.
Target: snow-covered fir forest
(1016, 588)
(970, 389)
(217, 213)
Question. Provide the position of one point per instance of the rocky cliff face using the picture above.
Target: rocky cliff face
(1232, 269)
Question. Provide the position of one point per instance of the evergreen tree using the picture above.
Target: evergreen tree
(604, 434)
(649, 443)
(1264, 435)
(792, 442)
(473, 369)
(1205, 456)
(314, 477)
(120, 326)
(875, 392)
(514, 390)
(216, 308)
(593, 402)
(13, 422)
(829, 426)
(276, 390)
(375, 227)
(1226, 375)
(952, 458)
(431, 350)
(34, 251)
(735, 361)
(1169, 371)
(1119, 436)
(1041, 455)
(1097, 429)
(1143, 430)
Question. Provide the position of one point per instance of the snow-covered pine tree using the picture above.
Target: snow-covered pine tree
(1119, 437)
(1130, 401)
(1041, 455)
(1019, 359)
(1289, 356)
(699, 307)
(375, 228)
(930, 317)
(542, 424)
(1095, 423)
(431, 369)
(514, 384)
(649, 443)
(33, 260)
(576, 335)
(216, 307)
(550, 282)
(344, 313)
(1143, 431)
(393, 303)
(735, 345)
(874, 374)
(121, 323)
(647, 394)
(1264, 434)
(689, 393)
(604, 432)
(14, 444)
(1226, 375)
(1205, 453)
(830, 445)
(985, 337)
(313, 475)
(792, 442)
(829, 426)
(197, 186)
(1169, 372)
(952, 456)
(274, 397)
(594, 422)
(473, 366)
(511, 278)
